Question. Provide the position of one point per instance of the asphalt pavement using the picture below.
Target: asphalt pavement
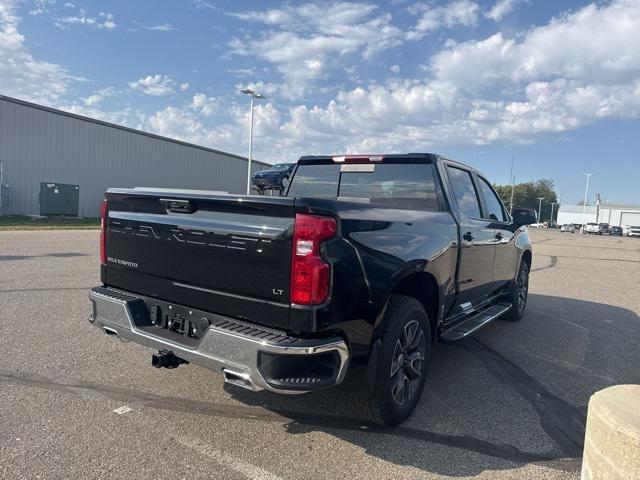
(508, 403)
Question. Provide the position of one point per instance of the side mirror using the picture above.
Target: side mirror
(524, 216)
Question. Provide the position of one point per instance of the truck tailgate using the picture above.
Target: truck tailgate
(220, 253)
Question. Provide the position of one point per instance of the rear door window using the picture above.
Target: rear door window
(464, 191)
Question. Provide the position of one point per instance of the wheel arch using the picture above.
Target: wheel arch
(422, 286)
(527, 257)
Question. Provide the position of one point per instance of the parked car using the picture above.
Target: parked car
(568, 228)
(365, 262)
(274, 178)
(592, 228)
(615, 230)
(604, 228)
(634, 231)
(529, 212)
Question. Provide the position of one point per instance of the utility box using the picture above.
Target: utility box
(59, 199)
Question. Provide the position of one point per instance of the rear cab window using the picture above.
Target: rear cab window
(392, 184)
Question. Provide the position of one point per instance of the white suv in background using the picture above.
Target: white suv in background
(633, 230)
(568, 228)
(592, 228)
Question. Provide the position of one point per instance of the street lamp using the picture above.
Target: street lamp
(551, 219)
(584, 205)
(540, 208)
(512, 179)
(254, 95)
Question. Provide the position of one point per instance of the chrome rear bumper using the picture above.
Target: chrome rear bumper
(230, 347)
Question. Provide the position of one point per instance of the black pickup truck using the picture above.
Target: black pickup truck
(365, 262)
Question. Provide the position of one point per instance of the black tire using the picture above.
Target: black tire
(519, 294)
(405, 336)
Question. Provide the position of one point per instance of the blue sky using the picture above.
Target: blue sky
(555, 85)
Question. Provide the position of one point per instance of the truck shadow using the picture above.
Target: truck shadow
(514, 394)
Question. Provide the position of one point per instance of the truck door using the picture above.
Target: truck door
(475, 270)
(505, 261)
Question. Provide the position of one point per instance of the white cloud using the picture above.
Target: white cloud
(41, 6)
(98, 96)
(155, 85)
(164, 27)
(101, 21)
(495, 89)
(459, 12)
(184, 87)
(21, 75)
(594, 44)
(126, 117)
(305, 41)
(502, 8)
(206, 106)
(543, 88)
(394, 68)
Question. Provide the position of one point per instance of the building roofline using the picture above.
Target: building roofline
(24, 103)
(617, 206)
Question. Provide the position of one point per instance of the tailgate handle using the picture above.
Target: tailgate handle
(178, 206)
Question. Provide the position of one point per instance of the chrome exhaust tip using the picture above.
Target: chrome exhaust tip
(237, 378)
(111, 332)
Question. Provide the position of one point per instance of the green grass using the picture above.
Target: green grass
(22, 222)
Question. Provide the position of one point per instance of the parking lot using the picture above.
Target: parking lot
(508, 403)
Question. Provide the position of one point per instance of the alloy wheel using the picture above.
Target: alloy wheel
(406, 363)
(523, 289)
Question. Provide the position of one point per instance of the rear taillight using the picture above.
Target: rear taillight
(103, 232)
(310, 274)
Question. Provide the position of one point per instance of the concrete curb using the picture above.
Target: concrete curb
(612, 440)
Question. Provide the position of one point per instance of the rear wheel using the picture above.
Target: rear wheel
(519, 294)
(403, 362)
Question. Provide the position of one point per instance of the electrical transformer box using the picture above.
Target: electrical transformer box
(59, 199)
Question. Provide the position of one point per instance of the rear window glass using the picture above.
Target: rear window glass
(402, 185)
(315, 181)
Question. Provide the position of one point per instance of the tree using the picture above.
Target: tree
(525, 195)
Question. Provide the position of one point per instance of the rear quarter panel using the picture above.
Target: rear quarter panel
(375, 249)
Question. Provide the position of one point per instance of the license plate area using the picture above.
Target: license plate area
(177, 323)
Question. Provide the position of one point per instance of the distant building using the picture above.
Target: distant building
(41, 144)
(613, 214)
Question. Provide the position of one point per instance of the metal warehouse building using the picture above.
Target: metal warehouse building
(40, 144)
(613, 214)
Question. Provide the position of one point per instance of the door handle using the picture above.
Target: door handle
(468, 236)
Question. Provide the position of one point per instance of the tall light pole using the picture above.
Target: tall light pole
(512, 187)
(540, 208)
(551, 219)
(584, 205)
(254, 95)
